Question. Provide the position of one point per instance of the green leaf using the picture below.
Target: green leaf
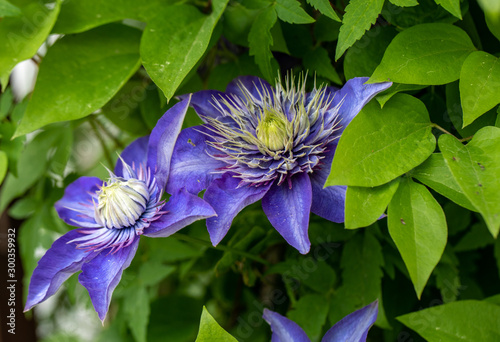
(316, 274)
(31, 165)
(211, 331)
(382, 144)
(79, 16)
(455, 113)
(322, 278)
(452, 6)
(496, 251)
(479, 85)
(150, 107)
(4, 163)
(364, 206)
(476, 167)
(291, 12)
(6, 101)
(467, 320)
(435, 174)
(427, 11)
(478, 236)
(187, 32)
(24, 208)
(21, 36)
(386, 95)
(310, 305)
(12, 147)
(326, 30)
(222, 74)
(62, 152)
(495, 299)
(174, 316)
(260, 40)
(425, 54)
(447, 276)
(362, 261)
(365, 55)
(325, 8)
(153, 271)
(318, 61)
(491, 10)
(8, 10)
(72, 83)
(359, 16)
(404, 3)
(457, 218)
(124, 108)
(418, 227)
(177, 250)
(137, 310)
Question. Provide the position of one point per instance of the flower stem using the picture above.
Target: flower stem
(441, 129)
(188, 238)
(466, 139)
(446, 132)
(101, 140)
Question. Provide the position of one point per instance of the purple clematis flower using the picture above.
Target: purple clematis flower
(274, 144)
(353, 327)
(112, 216)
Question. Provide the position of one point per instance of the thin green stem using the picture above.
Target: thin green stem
(290, 293)
(109, 160)
(446, 132)
(221, 248)
(466, 139)
(441, 129)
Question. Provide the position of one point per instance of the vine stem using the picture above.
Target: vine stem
(441, 129)
(221, 248)
(109, 160)
(446, 132)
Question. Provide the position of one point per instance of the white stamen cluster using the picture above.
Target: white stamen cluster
(121, 203)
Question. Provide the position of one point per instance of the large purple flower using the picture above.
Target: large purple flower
(112, 215)
(274, 144)
(353, 327)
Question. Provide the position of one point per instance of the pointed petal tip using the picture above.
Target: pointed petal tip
(184, 96)
(215, 238)
(288, 210)
(305, 248)
(355, 326)
(283, 328)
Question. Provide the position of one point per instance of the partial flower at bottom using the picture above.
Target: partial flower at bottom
(352, 328)
(112, 216)
(269, 143)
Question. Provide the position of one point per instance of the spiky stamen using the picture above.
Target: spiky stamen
(275, 135)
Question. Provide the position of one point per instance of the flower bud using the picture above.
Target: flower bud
(121, 203)
(272, 132)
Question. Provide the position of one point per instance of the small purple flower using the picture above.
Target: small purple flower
(353, 327)
(274, 144)
(112, 215)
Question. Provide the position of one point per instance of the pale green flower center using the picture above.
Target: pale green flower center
(121, 203)
(272, 130)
